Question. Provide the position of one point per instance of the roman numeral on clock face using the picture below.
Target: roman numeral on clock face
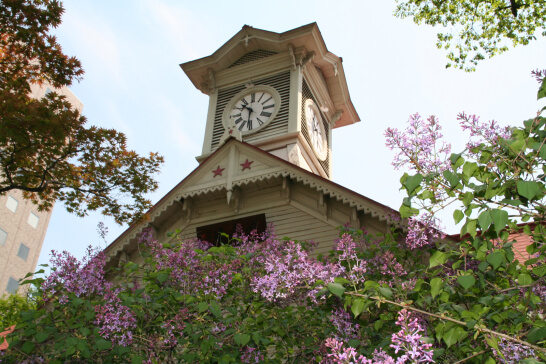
(269, 106)
(266, 114)
(252, 97)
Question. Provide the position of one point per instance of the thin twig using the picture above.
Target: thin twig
(441, 317)
(470, 357)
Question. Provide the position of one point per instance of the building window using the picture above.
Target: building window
(13, 284)
(33, 220)
(23, 252)
(3, 237)
(214, 233)
(11, 204)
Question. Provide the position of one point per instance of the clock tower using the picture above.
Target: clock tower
(274, 99)
(281, 92)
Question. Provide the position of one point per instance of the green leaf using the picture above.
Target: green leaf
(495, 259)
(103, 344)
(385, 291)
(136, 359)
(492, 342)
(469, 168)
(357, 307)
(436, 285)
(28, 347)
(452, 178)
(457, 216)
(438, 258)
(517, 145)
(469, 227)
(412, 182)
(241, 339)
(542, 90)
(466, 281)
(456, 159)
(336, 289)
(485, 220)
(540, 270)
(162, 277)
(531, 361)
(536, 334)
(454, 335)
(41, 337)
(528, 189)
(500, 219)
(524, 279)
(214, 308)
(203, 306)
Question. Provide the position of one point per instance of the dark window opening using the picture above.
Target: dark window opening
(213, 233)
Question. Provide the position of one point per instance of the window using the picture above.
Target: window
(213, 233)
(11, 204)
(33, 220)
(13, 284)
(3, 237)
(23, 252)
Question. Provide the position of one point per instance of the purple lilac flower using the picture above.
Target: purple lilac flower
(420, 147)
(251, 355)
(115, 320)
(409, 340)
(346, 329)
(423, 231)
(513, 353)
(488, 132)
(289, 276)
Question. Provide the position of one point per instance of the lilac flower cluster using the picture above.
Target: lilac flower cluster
(340, 354)
(539, 75)
(86, 279)
(513, 353)
(289, 276)
(347, 249)
(489, 132)
(346, 329)
(115, 320)
(420, 146)
(251, 355)
(189, 272)
(423, 231)
(174, 327)
(83, 278)
(409, 340)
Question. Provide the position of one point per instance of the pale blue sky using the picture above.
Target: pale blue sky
(131, 50)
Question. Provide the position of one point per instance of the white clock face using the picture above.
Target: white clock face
(316, 131)
(253, 110)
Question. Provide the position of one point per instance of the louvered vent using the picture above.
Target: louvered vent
(278, 126)
(252, 56)
(306, 94)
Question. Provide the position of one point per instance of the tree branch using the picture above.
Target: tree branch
(442, 317)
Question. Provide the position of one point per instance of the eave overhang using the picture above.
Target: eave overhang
(307, 38)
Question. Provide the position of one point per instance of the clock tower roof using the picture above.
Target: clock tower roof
(303, 44)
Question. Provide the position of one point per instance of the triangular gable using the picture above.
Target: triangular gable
(236, 164)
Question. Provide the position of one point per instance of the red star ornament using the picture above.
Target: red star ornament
(246, 164)
(218, 171)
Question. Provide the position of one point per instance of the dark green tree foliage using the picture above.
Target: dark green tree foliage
(46, 149)
(478, 29)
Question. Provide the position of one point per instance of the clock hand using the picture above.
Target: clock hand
(250, 111)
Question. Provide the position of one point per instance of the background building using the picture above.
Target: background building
(22, 226)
